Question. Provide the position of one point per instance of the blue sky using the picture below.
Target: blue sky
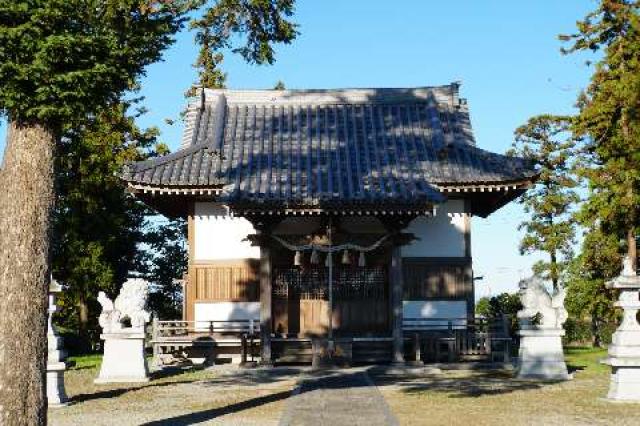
(506, 53)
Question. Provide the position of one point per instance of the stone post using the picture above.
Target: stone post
(56, 394)
(624, 351)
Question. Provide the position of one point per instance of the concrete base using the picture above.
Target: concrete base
(624, 351)
(123, 360)
(541, 356)
(56, 394)
(625, 381)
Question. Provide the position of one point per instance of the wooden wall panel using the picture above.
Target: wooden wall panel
(435, 278)
(309, 317)
(234, 281)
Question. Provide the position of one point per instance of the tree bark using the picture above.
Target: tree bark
(595, 331)
(632, 249)
(83, 323)
(26, 201)
(554, 270)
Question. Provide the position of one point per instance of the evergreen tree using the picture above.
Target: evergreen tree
(60, 61)
(257, 23)
(587, 295)
(166, 266)
(98, 227)
(609, 120)
(545, 140)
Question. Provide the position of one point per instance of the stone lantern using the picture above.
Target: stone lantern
(56, 394)
(624, 351)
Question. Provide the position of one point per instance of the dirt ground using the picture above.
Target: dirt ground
(220, 395)
(494, 398)
(224, 395)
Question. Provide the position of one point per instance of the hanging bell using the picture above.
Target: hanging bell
(328, 262)
(345, 257)
(361, 260)
(297, 259)
(315, 258)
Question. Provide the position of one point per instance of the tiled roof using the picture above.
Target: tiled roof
(308, 148)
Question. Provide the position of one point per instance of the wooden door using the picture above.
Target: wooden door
(300, 301)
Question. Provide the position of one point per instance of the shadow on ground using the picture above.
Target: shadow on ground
(459, 384)
(233, 377)
(206, 415)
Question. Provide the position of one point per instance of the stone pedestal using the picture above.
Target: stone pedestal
(541, 355)
(56, 394)
(123, 359)
(624, 351)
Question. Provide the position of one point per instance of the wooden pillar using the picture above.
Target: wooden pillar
(262, 239)
(468, 268)
(265, 303)
(395, 226)
(397, 284)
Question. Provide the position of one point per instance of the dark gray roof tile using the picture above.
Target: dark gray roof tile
(340, 146)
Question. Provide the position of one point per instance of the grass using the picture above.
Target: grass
(586, 361)
(487, 398)
(85, 361)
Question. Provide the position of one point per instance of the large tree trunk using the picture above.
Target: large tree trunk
(26, 200)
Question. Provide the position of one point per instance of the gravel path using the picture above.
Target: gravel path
(341, 397)
(233, 397)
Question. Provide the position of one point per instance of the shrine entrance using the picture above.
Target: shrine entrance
(301, 302)
(331, 283)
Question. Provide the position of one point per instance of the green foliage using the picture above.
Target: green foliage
(609, 119)
(63, 59)
(587, 296)
(577, 332)
(279, 85)
(166, 265)
(257, 24)
(483, 306)
(97, 226)
(496, 307)
(504, 304)
(545, 140)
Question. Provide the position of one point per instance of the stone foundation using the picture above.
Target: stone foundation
(541, 356)
(123, 359)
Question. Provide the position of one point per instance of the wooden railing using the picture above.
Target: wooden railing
(184, 328)
(170, 336)
(462, 336)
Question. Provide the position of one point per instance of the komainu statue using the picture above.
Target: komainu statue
(541, 319)
(541, 309)
(128, 311)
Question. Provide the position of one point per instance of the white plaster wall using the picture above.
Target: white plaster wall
(219, 236)
(447, 309)
(441, 235)
(225, 311)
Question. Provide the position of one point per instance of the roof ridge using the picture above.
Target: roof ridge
(443, 94)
